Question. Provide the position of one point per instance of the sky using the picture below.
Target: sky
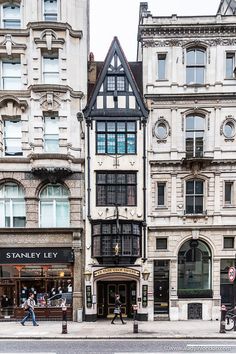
(109, 18)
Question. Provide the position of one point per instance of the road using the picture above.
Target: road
(116, 346)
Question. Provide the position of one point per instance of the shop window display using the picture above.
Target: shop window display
(50, 285)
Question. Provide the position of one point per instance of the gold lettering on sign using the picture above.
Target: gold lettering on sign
(128, 271)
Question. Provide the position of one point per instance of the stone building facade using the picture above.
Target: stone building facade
(189, 86)
(43, 57)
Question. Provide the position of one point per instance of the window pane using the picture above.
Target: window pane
(200, 75)
(51, 143)
(120, 143)
(161, 131)
(131, 126)
(121, 126)
(62, 214)
(191, 57)
(198, 187)
(47, 217)
(111, 195)
(230, 65)
(190, 123)
(111, 83)
(161, 243)
(189, 205)
(101, 143)
(111, 127)
(131, 195)
(111, 144)
(190, 75)
(101, 126)
(229, 130)
(190, 187)
(198, 205)
(11, 69)
(228, 242)
(101, 195)
(200, 57)
(131, 143)
(120, 83)
(121, 195)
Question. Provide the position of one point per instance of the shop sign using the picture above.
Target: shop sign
(35, 255)
(231, 274)
(106, 271)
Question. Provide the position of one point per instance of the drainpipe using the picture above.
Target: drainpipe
(89, 123)
(144, 123)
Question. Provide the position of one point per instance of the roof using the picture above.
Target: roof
(229, 5)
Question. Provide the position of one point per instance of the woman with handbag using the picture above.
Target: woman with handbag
(117, 310)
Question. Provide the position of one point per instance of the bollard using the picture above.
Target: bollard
(64, 320)
(222, 319)
(135, 325)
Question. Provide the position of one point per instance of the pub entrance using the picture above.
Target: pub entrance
(106, 292)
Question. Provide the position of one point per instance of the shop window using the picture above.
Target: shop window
(161, 243)
(11, 17)
(227, 288)
(196, 66)
(161, 194)
(116, 188)
(229, 242)
(50, 10)
(12, 137)
(51, 134)
(114, 137)
(194, 196)
(230, 65)
(228, 197)
(54, 206)
(194, 270)
(12, 206)
(50, 68)
(194, 136)
(161, 66)
(11, 74)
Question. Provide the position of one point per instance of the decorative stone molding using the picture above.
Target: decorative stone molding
(228, 119)
(56, 26)
(146, 43)
(161, 120)
(14, 101)
(48, 39)
(9, 46)
(50, 102)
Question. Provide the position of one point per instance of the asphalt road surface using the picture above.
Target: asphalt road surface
(116, 346)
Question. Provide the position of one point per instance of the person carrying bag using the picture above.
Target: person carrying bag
(29, 306)
(117, 310)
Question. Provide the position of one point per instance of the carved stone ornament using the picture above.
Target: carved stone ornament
(229, 121)
(161, 135)
(146, 43)
(9, 44)
(49, 102)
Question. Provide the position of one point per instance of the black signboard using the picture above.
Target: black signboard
(35, 255)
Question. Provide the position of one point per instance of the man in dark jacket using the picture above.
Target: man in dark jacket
(117, 310)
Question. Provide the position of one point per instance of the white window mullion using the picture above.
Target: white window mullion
(11, 213)
(54, 213)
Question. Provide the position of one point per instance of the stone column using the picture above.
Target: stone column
(32, 206)
(173, 279)
(78, 279)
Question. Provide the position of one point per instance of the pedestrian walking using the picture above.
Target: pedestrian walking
(117, 310)
(29, 306)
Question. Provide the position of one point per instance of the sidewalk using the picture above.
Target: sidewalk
(103, 329)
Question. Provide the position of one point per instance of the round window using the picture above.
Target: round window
(229, 129)
(161, 131)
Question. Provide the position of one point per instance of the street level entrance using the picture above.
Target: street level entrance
(106, 292)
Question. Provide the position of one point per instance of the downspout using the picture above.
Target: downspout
(144, 122)
(88, 170)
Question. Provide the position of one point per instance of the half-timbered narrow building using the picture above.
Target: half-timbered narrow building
(115, 251)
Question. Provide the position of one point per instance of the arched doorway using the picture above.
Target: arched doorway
(194, 270)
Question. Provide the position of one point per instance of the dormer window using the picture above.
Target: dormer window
(11, 16)
(196, 66)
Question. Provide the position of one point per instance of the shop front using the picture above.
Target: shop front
(45, 271)
(107, 282)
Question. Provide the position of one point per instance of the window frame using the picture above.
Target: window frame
(232, 55)
(116, 186)
(55, 73)
(10, 19)
(54, 201)
(194, 195)
(16, 120)
(52, 137)
(194, 153)
(163, 76)
(165, 239)
(225, 238)
(196, 66)
(52, 13)
(5, 77)
(116, 134)
(231, 201)
(10, 202)
(115, 86)
(161, 183)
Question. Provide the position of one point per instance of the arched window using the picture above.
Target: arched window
(11, 16)
(194, 196)
(194, 135)
(12, 205)
(54, 206)
(196, 65)
(194, 267)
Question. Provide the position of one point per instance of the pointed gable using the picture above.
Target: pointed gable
(227, 7)
(116, 93)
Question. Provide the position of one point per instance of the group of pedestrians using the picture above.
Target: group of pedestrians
(29, 305)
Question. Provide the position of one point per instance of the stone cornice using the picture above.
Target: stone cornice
(191, 227)
(36, 230)
(56, 88)
(180, 162)
(56, 26)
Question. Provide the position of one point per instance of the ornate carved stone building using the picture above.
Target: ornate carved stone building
(43, 73)
(189, 85)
